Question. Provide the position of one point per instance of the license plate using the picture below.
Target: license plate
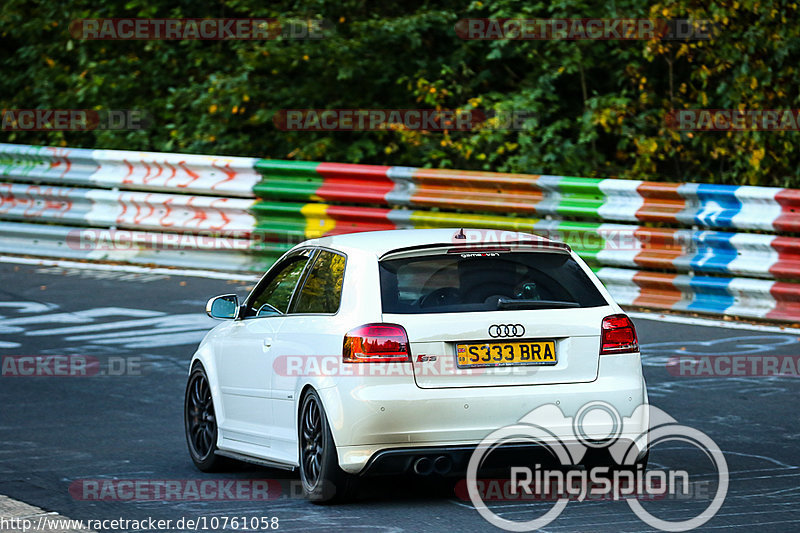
(506, 353)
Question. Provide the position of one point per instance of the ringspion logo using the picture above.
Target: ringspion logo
(596, 426)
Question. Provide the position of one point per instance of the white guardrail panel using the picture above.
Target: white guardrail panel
(122, 169)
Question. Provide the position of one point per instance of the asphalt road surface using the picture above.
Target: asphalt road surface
(125, 421)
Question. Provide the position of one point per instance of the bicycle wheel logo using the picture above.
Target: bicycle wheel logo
(626, 440)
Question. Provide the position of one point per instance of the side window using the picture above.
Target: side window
(323, 287)
(274, 297)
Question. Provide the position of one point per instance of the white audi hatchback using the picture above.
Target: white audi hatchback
(399, 351)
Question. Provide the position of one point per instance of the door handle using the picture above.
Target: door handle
(267, 344)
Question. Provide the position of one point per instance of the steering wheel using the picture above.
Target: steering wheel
(440, 296)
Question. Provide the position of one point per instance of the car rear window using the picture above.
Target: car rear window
(451, 283)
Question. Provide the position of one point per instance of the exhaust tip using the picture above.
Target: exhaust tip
(423, 466)
(442, 465)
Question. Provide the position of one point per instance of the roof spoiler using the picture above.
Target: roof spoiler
(460, 248)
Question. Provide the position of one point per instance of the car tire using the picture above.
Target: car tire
(322, 478)
(200, 422)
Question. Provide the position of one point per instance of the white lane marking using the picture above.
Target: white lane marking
(134, 333)
(197, 320)
(711, 323)
(659, 352)
(733, 526)
(155, 341)
(29, 307)
(75, 317)
(706, 322)
(763, 457)
(147, 329)
(211, 274)
(100, 274)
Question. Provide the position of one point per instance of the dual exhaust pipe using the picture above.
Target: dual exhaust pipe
(425, 466)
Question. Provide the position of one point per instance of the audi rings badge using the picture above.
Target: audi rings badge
(506, 330)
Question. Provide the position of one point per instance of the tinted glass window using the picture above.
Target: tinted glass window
(277, 292)
(322, 290)
(449, 283)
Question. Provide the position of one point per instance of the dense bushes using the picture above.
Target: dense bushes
(596, 108)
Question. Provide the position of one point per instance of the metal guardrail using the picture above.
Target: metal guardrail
(125, 209)
(729, 296)
(604, 244)
(142, 247)
(703, 205)
(147, 171)
(683, 246)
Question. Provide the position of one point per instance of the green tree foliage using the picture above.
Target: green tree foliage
(596, 108)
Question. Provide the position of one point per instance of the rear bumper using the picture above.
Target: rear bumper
(454, 460)
(383, 424)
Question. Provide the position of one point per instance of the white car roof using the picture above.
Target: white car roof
(382, 242)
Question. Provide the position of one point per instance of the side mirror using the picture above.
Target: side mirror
(224, 306)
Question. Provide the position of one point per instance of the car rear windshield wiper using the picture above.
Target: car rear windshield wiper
(508, 303)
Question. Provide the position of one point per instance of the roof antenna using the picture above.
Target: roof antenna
(460, 234)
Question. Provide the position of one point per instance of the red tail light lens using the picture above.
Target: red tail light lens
(376, 343)
(618, 335)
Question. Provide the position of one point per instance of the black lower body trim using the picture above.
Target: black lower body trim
(403, 460)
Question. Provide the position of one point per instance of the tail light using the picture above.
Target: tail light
(376, 343)
(618, 335)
